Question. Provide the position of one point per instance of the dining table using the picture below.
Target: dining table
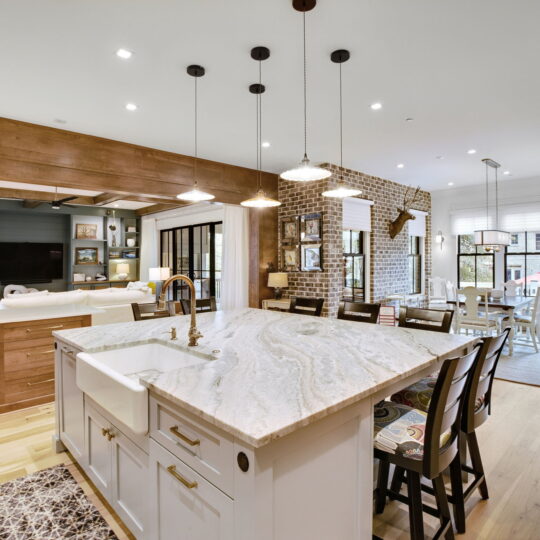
(508, 304)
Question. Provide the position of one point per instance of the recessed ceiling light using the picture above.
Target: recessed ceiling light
(450, 183)
(506, 173)
(124, 54)
(131, 106)
(439, 157)
(409, 119)
(376, 106)
(400, 165)
(60, 121)
(265, 144)
(471, 151)
(116, 205)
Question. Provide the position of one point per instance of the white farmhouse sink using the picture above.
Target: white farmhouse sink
(111, 378)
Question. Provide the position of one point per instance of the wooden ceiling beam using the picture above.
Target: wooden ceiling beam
(107, 198)
(41, 196)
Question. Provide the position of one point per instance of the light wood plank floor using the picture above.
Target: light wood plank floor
(509, 441)
(26, 447)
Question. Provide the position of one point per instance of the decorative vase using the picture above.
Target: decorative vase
(130, 242)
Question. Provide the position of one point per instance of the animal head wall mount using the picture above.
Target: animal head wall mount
(404, 215)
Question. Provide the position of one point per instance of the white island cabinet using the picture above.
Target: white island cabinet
(271, 438)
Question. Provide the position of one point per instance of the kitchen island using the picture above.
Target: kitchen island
(269, 436)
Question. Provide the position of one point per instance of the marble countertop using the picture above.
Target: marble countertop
(10, 315)
(275, 372)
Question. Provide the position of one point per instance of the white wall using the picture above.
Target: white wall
(443, 202)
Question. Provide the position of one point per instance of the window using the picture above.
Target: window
(522, 262)
(476, 268)
(415, 265)
(194, 251)
(353, 266)
(514, 239)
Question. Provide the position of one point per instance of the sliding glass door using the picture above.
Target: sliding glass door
(194, 251)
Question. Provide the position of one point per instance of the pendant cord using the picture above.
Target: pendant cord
(196, 133)
(305, 88)
(259, 143)
(487, 199)
(340, 124)
(496, 201)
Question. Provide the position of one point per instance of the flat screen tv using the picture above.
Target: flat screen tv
(30, 262)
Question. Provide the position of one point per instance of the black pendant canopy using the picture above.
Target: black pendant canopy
(304, 5)
(195, 71)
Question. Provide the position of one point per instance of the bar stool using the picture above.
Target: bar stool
(306, 306)
(359, 311)
(477, 408)
(423, 444)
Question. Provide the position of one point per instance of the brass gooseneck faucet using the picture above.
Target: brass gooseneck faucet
(194, 335)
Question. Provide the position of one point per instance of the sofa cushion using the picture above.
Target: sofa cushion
(48, 299)
(114, 296)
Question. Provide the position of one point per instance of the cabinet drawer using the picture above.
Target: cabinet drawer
(30, 387)
(35, 329)
(185, 506)
(202, 447)
(23, 363)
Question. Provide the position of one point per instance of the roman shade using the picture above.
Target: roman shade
(417, 226)
(357, 214)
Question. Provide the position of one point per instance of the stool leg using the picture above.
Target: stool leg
(397, 480)
(457, 494)
(442, 505)
(476, 462)
(416, 519)
(382, 486)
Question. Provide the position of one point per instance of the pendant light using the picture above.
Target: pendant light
(492, 239)
(342, 190)
(305, 172)
(195, 195)
(260, 200)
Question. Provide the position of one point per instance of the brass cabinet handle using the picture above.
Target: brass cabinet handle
(28, 330)
(29, 354)
(39, 382)
(191, 442)
(104, 431)
(171, 469)
(69, 353)
(111, 435)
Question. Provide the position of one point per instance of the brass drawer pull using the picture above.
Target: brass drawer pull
(28, 330)
(191, 442)
(108, 433)
(172, 470)
(29, 354)
(39, 382)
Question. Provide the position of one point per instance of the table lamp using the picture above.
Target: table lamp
(278, 280)
(122, 269)
(157, 275)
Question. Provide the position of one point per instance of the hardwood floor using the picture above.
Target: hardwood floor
(26, 447)
(509, 443)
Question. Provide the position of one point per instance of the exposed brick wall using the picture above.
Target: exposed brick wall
(388, 262)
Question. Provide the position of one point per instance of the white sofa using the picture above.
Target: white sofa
(115, 302)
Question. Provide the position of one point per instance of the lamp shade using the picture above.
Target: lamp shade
(491, 238)
(277, 279)
(159, 274)
(122, 268)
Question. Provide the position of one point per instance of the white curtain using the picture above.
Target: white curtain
(417, 226)
(357, 214)
(470, 220)
(235, 258)
(149, 247)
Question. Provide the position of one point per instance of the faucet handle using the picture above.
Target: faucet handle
(172, 332)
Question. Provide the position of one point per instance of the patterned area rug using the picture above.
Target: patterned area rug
(49, 505)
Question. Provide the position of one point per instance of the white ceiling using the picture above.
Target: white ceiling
(466, 71)
(48, 189)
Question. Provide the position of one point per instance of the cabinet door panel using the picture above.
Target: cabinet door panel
(130, 482)
(180, 513)
(72, 407)
(98, 451)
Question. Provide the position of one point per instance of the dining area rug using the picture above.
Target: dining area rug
(49, 505)
(522, 367)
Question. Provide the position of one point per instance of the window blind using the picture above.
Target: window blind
(357, 214)
(417, 227)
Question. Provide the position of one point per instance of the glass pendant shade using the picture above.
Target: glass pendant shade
(195, 195)
(305, 172)
(260, 201)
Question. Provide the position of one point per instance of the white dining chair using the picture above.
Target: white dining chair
(512, 288)
(472, 313)
(437, 295)
(526, 322)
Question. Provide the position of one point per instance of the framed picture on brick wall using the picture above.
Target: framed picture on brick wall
(290, 258)
(311, 228)
(311, 258)
(289, 230)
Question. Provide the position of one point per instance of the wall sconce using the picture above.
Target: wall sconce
(439, 239)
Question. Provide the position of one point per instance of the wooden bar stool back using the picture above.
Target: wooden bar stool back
(426, 319)
(202, 305)
(359, 311)
(306, 306)
(142, 312)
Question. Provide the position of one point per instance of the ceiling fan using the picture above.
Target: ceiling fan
(57, 203)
